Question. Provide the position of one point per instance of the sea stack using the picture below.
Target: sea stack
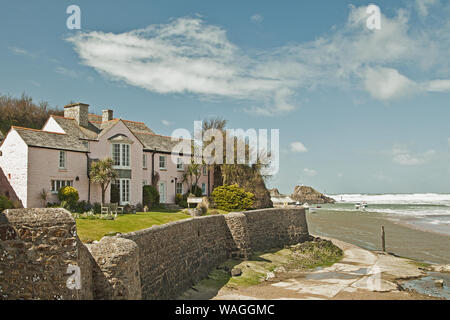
(308, 194)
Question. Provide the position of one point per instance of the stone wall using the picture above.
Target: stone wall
(175, 256)
(39, 248)
(39, 251)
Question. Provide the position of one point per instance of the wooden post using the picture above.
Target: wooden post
(383, 239)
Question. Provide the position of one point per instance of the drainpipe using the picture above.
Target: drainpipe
(209, 181)
(89, 178)
(153, 166)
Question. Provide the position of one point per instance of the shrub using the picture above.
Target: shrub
(181, 200)
(97, 208)
(68, 195)
(150, 196)
(5, 203)
(232, 198)
(81, 207)
(139, 207)
(196, 191)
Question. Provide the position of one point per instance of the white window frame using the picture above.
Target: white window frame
(205, 171)
(62, 159)
(125, 191)
(203, 188)
(144, 160)
(165, 162)
(58, 184)
(180, 164)
(123, 154)
(162, 192)
(176, 188)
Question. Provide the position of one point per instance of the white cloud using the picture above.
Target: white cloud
(423, 6)
(187, 55)
(23, 52)
(67, 72)
(167, 123)
(405, 157)
(298, 147)
(439, 86)
(387, 83)
(257, 18)
(310, 172)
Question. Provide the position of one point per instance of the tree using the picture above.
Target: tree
(192, 175)
(247, 176)
(102, 172)
(24, 112)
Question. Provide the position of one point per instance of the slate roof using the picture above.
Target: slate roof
(71, 127)
(156, 142)
(53, 140)
(96, 129)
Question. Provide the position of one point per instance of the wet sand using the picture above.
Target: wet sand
(364, 230)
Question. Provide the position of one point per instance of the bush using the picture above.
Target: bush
(81, 207)
(5, 203)
(150, 196)
(97, 208)
(232, 198)
(68, 196)
(181, 200)
(196, 191)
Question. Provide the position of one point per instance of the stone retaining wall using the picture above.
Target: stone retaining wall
(38, 246)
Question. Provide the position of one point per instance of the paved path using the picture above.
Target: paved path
(360, 274)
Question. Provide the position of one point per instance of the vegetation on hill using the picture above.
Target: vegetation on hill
(245, 176)
(23, 112)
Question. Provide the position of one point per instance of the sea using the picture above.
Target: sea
(425, 211)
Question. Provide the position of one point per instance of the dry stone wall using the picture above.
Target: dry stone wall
(39, 250)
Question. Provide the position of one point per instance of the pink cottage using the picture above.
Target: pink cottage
(60, 154)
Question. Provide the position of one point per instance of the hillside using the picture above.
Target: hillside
(23, 112)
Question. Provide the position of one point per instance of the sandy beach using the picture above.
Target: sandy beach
(364, 230)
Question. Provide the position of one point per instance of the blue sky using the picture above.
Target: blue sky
(359, 111)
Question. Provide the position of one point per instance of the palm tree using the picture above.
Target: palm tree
(192, 175)
(102, 172)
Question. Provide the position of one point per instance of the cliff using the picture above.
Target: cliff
(307, 194)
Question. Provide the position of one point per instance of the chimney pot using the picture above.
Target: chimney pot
(107, 115)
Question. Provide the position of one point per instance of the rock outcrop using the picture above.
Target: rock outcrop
(307, 194)
(275, 192)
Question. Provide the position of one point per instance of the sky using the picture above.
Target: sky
(359, 110)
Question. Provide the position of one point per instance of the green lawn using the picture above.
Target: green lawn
(95, 229)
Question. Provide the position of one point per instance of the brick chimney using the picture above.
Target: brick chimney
(107, 115)
(78, 111)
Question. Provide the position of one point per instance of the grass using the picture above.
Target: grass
(94, 229)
